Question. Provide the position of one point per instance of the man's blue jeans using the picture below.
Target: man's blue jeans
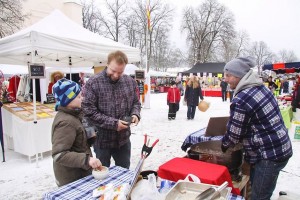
(120, 155)
(263, 177)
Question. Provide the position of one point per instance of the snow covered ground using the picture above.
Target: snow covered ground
(20, 179)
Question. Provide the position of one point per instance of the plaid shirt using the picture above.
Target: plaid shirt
(105, 103)
(256, 121)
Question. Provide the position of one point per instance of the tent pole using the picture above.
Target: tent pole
(34, 106)
(70, 67)
(147, 84)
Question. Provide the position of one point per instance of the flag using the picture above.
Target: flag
(148, 15)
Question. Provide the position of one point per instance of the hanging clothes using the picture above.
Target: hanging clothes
(37, 90)
(13, 87)
(23, 89)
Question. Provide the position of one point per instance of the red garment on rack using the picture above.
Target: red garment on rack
(13, 87)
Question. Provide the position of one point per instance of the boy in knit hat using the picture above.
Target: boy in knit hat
(255, 121)
(72, 157)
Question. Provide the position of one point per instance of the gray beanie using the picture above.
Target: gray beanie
(239, 67)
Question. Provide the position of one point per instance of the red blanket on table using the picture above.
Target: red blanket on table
(178, 168)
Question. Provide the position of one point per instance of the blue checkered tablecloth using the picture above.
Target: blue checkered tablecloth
(83, 188)
(196, 137)
(235, 197)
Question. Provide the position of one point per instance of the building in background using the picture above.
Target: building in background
(41, 8)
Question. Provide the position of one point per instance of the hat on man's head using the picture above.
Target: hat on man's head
(65, 91)
(239, 67)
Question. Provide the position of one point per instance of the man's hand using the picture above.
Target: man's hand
(122, 125)
(135, 119)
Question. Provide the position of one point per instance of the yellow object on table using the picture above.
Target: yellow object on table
(287, 115)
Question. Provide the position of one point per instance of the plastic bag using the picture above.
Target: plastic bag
(146, 190)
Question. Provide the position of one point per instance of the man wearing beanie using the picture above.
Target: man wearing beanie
(111, 104)
(255, 121)
(72, 157)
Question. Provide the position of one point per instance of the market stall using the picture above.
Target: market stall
(282, 68)
(22, 134)
(58, 42)
(212, 92)
(287, 116)
(169, 175)
(83, 188)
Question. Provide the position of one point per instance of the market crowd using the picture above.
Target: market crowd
(111, 104)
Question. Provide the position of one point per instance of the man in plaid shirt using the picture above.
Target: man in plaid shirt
(255, 121)
(109, 97)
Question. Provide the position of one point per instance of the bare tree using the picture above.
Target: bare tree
(131, 27)
(233, 47)
(115, 18)
(207, 26)
(109, 24)
(133, 31)
(160, 22)
(11, 17)
(91, 16)
(262, 54)
(287, 56)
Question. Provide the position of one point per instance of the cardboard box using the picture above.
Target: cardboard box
(216, 126)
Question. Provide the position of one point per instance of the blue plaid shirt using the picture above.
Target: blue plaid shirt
(255, 120)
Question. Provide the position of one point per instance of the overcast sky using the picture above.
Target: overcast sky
(276, 22)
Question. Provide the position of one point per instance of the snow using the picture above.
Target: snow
(20, 179)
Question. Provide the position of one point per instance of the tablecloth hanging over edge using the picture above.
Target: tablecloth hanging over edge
(178, 168)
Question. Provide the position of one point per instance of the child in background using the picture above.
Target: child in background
(72, 157)
(173, 100)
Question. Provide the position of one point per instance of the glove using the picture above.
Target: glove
(91, 141)
(224, 149)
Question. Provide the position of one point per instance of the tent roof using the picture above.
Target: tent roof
(54, 39)
(277, 66)
(130, 69)
(206, 67)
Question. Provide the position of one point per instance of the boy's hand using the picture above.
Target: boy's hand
(94, 163)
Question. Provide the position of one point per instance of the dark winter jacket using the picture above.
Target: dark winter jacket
(192, 96)
(223, 85)
(296, 98)
(70, 150)
(180, 87)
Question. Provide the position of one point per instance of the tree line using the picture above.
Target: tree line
(208, 30)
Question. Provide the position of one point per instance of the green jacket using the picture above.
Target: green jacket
(70, 150)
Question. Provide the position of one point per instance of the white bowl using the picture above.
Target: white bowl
(100, 174)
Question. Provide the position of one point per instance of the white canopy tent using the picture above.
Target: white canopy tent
(130, 69)
(60, 43)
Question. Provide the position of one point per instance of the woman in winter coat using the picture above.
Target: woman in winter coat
(192, 94)
(296, 96)
(173, 100)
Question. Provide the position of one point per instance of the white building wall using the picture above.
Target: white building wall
(38, 9)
